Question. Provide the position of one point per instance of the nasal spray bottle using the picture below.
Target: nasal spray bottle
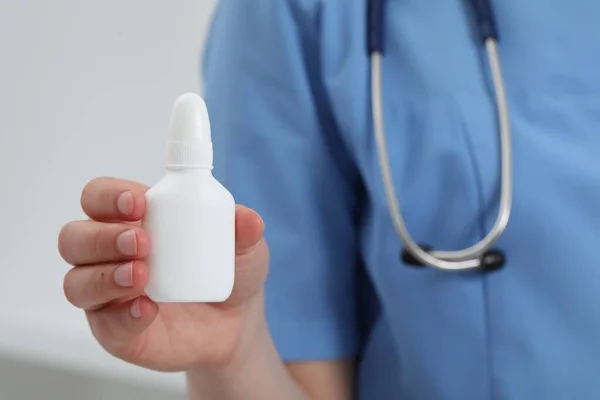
(190, 216)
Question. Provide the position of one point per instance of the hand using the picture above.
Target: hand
(110, 274)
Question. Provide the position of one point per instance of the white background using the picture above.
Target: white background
(86, 89)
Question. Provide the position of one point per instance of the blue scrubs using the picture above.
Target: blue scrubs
(287, 84)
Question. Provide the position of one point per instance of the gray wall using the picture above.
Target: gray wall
(20, 380)
(86, 89)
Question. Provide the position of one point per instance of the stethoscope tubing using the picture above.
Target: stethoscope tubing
(471, 257)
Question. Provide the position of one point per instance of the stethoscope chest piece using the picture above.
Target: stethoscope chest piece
(490, 261)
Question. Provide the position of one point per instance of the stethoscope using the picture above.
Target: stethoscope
(479, 256)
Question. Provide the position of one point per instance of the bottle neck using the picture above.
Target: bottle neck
(189, 155)
(178, 170)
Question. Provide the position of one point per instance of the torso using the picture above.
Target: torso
(529, 331)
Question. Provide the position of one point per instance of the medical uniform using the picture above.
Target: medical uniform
(287, 84)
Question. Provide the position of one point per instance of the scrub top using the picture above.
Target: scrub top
(287, 85)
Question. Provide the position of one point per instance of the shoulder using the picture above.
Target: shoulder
(269, 10)
(263, 30)
(310, 16)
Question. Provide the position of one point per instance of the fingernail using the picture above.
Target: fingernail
(125, 203)
(135, 308)
(124, 275)
(127, 243)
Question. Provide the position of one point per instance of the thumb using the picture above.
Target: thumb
(252, 256)
(249, 229)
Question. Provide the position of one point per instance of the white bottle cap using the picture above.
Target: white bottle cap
(190, 144)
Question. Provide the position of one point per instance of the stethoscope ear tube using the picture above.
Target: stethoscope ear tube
(375, 26)
(485, 18)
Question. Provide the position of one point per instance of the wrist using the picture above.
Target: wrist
(254, 372)
(253, 336)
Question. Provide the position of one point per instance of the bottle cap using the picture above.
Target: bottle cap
(190, 144)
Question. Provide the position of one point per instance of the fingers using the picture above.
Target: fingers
(249, 229)
(92, 242)
(111, 199)
(92, 287)
(118, 324)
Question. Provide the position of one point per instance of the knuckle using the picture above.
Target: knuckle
(88, 191)
(69, 287)
(95, 193)
(63, 239)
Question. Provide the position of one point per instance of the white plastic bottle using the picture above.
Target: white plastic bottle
(190, 216)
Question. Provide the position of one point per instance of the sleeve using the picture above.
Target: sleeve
(277, 150)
